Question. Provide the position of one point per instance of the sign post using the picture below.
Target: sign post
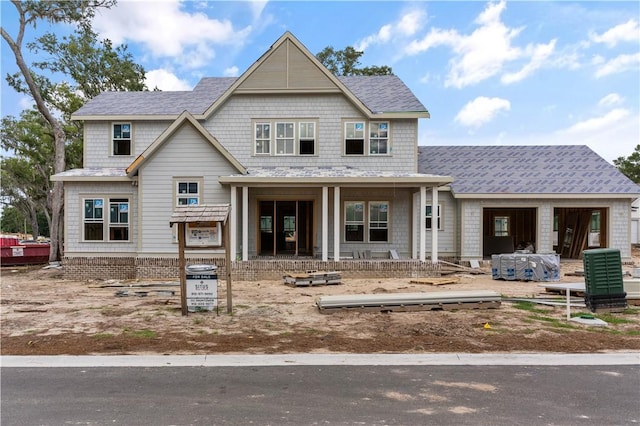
(200, 227)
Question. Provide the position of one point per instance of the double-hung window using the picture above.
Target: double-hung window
(376, 225)
(121, 138)
(187, 193)
(285, 138)
(263, 138)
(379, 138)
(429, 216)
(95, 222)
(378, 221)
(354, 137)
(118, 219)
(354, 221)
(307, 138)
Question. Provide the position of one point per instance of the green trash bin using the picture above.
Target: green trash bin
(603, 280)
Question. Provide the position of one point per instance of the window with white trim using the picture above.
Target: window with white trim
(429, 216)
(285, 138)
(307, 138)
(379, 138)
(378, 221)
(118, 219)
(354, 221)
(93, 219)
(187, 193)
(95, 222)
(263, 138)
(354, 137)
(121, 138)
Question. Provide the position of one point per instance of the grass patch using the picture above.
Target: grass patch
(530, 307)
(102, 336)
(553, 321)
(145, 333)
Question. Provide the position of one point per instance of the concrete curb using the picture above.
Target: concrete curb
(242, 360)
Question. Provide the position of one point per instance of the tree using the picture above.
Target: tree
(345, 62)
(79, 57)
(630, 165)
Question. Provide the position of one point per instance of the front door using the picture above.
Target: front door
(286, 228)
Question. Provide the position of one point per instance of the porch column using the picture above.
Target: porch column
(233, 224)
(336, 223)
(434, 224)
(245, 223)
(423, 223)
(325, 223)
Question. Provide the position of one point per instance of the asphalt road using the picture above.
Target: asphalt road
(322, 394)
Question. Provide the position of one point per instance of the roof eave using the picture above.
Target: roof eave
(459, 195)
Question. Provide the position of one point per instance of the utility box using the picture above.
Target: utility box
(603, 280)
(202, 287)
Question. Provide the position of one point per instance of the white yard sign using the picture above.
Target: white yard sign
(202, 292)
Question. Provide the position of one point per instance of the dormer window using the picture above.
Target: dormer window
(121, 138)
(354, 138)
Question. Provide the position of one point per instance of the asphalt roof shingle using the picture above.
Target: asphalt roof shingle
(377, 93)
(540, 169)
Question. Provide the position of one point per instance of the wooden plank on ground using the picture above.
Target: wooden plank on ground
(435, 281)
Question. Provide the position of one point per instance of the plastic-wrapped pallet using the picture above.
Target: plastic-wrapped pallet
(525, 267)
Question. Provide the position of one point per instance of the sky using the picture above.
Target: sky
(490, 73)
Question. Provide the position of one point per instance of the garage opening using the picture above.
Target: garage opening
(578, 229)
(508, 229)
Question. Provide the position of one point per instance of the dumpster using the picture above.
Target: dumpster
(604, 287)
(202, 287)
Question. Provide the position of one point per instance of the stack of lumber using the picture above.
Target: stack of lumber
(446, 300)
(310, 278)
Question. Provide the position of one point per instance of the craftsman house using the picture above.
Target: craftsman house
(319, 172)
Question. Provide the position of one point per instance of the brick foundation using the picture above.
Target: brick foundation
(84, 268)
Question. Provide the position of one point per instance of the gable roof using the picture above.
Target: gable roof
(543, 171)
(287, 67)
(185, 118)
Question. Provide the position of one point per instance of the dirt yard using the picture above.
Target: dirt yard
(42, 314)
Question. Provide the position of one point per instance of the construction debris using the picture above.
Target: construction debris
(403, 302)
(310, 278)
(435, 281)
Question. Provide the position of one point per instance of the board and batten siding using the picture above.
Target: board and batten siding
(186, 156)
(232, 126)
(75, 193)
(97, 142)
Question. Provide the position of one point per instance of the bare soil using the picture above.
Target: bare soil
(43, 314)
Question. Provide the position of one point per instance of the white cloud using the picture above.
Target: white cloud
(610, 100)
(407, 25)
(539, 55)
(596, 124)
(481, 110)
(166, 30)
(629, 31)
(619, 64)
(232, 72)
(26, 102)
(165, 80)
(486, 51)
